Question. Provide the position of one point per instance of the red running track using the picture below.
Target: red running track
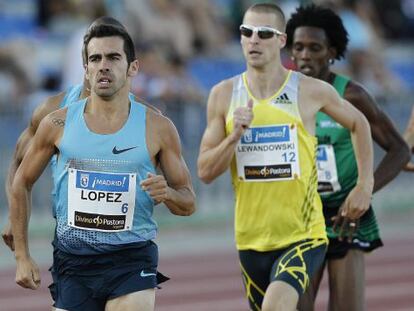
(212, 282)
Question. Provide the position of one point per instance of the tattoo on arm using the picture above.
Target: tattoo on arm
(58, 122)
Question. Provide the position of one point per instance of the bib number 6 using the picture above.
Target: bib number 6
(124, 208)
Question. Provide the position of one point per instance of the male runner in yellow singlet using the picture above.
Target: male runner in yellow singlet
(262, 124)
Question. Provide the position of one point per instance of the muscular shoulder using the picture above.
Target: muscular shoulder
(58, 117)
(51, 104)
(161, 134)
(355, 92)
(52, 125)
(315, 88)
(159, 124)
(220, 96)
(359, 97)
(224, 87)
(316, 92)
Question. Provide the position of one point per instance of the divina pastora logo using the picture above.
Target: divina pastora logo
(268, 172)
(99, 221)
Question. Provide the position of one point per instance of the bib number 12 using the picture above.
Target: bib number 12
(289, 157)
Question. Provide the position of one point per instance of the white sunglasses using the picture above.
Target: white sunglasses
(262, 31)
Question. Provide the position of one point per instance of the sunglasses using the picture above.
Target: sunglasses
(262, 31)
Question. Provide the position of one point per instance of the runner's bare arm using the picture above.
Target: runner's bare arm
(409, 138)
(384, 134)
(174, 187)
(343, 112)
(42, 147)
(409, 131)
(49, 105)
(217, 150)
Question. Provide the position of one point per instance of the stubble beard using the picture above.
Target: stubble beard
(105, 93)
(110, 92)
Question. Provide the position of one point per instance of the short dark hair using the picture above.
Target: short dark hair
(106, 20)
(268, 8)
(103, 20)
(110, 30)
(319, 17)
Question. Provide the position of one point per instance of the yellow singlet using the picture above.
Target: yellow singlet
(274, 172)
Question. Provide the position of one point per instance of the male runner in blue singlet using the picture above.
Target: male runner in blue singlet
(52, 103)
(108, 148)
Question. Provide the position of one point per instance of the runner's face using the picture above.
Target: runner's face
(107, 66)
(260, 52)
(310, 51)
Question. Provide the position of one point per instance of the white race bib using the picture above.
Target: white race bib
(101, 201)
(268, 153)
(327, 172)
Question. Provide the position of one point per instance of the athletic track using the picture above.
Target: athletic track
(212, 282)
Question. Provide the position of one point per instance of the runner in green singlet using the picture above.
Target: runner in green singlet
(316, 37)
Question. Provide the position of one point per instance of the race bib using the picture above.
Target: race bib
(101, 201)
(327, 172)
(268, 153)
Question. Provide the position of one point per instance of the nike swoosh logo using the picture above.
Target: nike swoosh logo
(118, 151)
(144, 275)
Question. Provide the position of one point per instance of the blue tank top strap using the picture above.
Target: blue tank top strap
(74, 112)
(139, 113)
(72, 94)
